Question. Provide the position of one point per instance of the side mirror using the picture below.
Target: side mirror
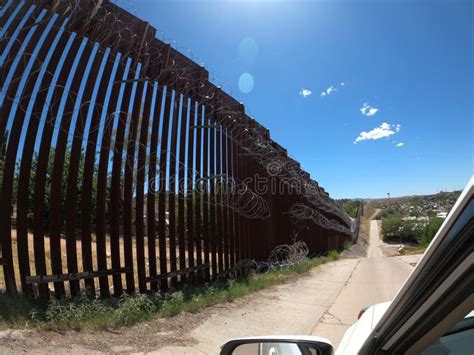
(278, 345)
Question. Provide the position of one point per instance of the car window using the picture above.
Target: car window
(457, 341)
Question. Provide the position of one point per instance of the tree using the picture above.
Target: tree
(411, 231)
(391, 227)
(430, 230)
(349, 206)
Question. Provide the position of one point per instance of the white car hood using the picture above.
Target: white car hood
(356, 335)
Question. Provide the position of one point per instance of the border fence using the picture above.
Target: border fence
(124, 169)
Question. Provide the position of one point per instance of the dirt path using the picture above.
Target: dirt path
(374, 250)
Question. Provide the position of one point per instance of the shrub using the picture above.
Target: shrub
(411, 231)
(391, 227)
(133, 309)
(333, 255)
(349, 206)
(347, 244)
(395, 229)
(430, 230)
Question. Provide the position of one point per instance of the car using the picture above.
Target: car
(431, 314)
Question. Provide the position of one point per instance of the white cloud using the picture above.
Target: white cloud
(342, 84)
(384, 130)
(368, 110)
(305, 92)
(399, 144)
(328, 91)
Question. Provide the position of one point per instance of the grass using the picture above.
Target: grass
(420, 249)
(84, 313)
(347, 244)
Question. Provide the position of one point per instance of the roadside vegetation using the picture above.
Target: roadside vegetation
(395, 229)
(349, 206)
(85, 313)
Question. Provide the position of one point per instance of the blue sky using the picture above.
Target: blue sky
(400, 71)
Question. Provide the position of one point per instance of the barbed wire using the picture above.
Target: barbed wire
(281, 256)
(303, 216)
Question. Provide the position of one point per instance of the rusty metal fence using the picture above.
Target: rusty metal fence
(123, 169)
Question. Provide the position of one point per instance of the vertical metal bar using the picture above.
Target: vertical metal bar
(103, 176)
(152, 188)
(198, 188)
(223, 190)
(247, 230)
(242, 231)
(255, 241)
(115, 190)
(172, 187)
(141, 170)
(162, 190)
(180, 178)
(191, 198)
(233, 218)
(238, 219)
(219, 236)
(248, 222)
(205, 194)
(212, 197)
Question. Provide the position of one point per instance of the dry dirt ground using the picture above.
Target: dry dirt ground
(144, 337)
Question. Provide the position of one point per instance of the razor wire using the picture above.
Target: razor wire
(281, 256)
(303, 215)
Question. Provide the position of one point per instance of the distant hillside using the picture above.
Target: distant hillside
(418, 205)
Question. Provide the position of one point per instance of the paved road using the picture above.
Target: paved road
(375, 279)
(292, 308)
